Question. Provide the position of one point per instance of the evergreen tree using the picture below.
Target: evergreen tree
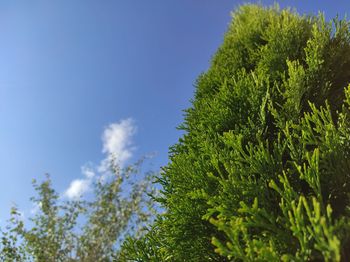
(262, 172)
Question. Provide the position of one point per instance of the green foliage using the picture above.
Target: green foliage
(51, 238)
(10, 248)
(81, 230)
(150, 247)
(115, 213)
(262, 172)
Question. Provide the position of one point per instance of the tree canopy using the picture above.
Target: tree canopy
(262, 172)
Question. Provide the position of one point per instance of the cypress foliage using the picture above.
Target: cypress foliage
(263, 170)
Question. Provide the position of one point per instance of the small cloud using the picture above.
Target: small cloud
(117, 142)
(77, 188)
(117, 145)
(87, 171)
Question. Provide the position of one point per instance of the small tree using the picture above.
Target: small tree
(121, 207)
(81, 230)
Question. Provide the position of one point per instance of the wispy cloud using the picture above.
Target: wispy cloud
(78, 187)
(117, 145)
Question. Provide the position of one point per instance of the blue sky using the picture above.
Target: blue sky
(72, 70)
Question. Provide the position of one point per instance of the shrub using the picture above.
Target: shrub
(262, 172)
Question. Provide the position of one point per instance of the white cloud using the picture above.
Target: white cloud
(117, 145)
(78, 187)
(87, 171)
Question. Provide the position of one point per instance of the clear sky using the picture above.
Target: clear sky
(81, 78)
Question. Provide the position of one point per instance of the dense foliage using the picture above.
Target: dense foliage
(81, 230)
(262, 172)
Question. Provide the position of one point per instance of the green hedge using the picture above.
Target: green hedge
(263, 170)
